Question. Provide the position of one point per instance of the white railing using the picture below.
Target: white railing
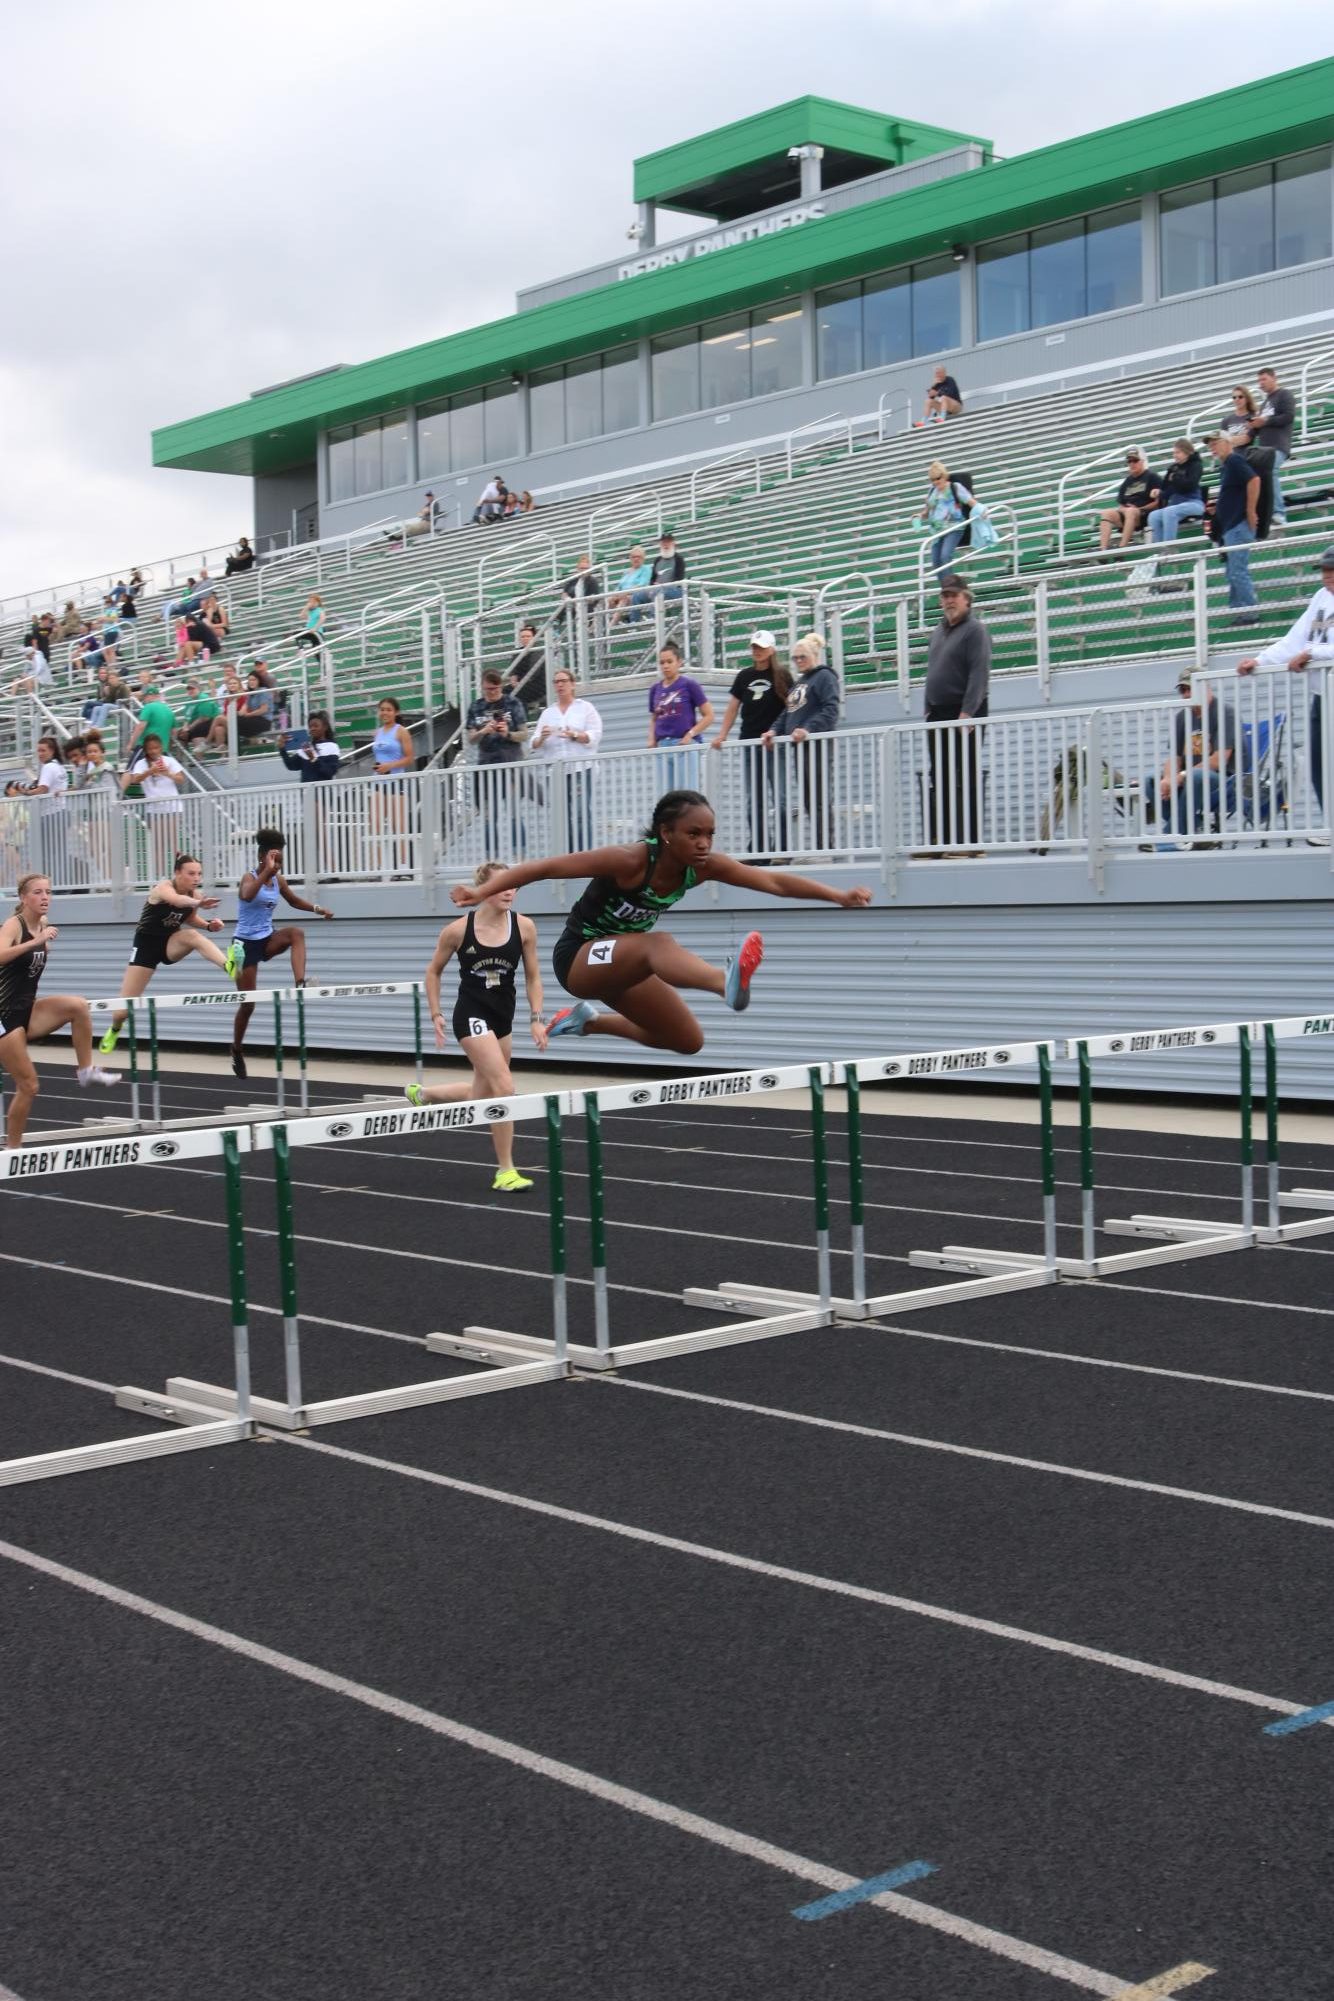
(1234, 770)
(627, 514)
(516, 559)
(888, 403)
(1320, 366)
(806, 432)
(309, 558)
(997, 512)
(737, 466)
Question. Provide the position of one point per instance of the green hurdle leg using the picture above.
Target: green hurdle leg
(856, 1194)
(1086, 1153)
(1271, 1125)
(597, 1222)
(301, 1053)
(278, 1050)
(134, 1062)
(154, 1078)
(1048, 1162)
(1247, 1136)
(282, 1181)
(820, 1163)
(231, 1157)
(417, 1035)
(556, 1205)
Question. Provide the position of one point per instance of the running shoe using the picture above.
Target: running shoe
(415, 1094)
(109, 1040)
(572, 1020)
(741, 971)
(231, 961)
(238, 1065)
(92, 1075)
(510, 1181)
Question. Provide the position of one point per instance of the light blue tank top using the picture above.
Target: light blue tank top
(255, 919)
(386, 747)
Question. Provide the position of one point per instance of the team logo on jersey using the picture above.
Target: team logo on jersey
(339, 1129)
(163, 1149)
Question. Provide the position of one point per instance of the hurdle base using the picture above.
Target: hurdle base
(1172, 1229)
(1205, 1240)
(337, 1410)
(1320, 1225)
(191, 1436)
(997, 1271)
(799, 1320)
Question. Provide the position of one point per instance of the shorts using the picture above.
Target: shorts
(482, 1017)
(18, 1017)
(253, 950)
(568, 947)
(150, 953)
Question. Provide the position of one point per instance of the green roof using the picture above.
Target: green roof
(1281, 114)
(740, 168)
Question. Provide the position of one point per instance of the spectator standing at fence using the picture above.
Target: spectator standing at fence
(943, 399)
(958, 680)
(1307, 643)
(1234, 524)
(527, 676)
(241, 559)
(26, 938)
(1180, 496)
(1134, 498)
(497, 728)
(394, 757)
(810, 713)
(679, 713)
(668, 572)
(757, 698)
(160, 780)
(946, 509)
(1198, 766)
(569, 729)
(1272, 428)
(319, 757)
(632, 588)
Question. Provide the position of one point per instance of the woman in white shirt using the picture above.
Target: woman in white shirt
(47, 788)
(160, 779)
(571, 729)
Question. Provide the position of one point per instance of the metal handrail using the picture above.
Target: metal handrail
(993, 508)
(890, 399)
(745, 454)
(618, 507)
(1325, 360)
(281, 566)
(512, 558)
(432, 593)
(834, 421)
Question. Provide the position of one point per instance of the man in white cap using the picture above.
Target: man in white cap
(758, 696)
(1308, 643)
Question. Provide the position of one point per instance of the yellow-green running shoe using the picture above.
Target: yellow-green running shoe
(109, 1040)
(231, 963)
(415, 1095)
(510, 1181)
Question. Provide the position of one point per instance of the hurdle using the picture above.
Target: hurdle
(197, 1425)
(501, 1371)
(146, 1007)
(987, 1272)
(805, 1313)
(1274, 1230)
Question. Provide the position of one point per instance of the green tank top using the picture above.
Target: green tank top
(606, 910)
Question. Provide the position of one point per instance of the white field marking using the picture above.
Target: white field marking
(325, 1243)
(576, 1779)
(8, 1994)
(60, 1376)
(1023, 1464)
(1092, 1361)
(812, 1581)
(1117, 1284)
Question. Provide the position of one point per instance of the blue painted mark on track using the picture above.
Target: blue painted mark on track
(860, 1893)
(1301, 1721)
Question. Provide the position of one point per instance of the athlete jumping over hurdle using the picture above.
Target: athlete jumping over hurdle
(25, 940)
(609, 950)
(170, 926)
(257, 896)
(490, 943)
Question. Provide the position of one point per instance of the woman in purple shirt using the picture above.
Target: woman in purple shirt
(679, 713)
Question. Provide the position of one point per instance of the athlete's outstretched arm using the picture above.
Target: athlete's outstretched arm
(619, 863)
(446, 945)
(781, 882)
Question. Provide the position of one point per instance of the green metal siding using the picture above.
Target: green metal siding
(1277, 115)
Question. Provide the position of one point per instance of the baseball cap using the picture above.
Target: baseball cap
(763, 639)
(1134, 452)
(1327, 558)
(952, 581)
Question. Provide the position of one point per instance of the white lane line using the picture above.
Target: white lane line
(1115, 1284)
(1023, 1464)
(7, 1994)
(60, 1376)
(811, 1581)
(576, 1779)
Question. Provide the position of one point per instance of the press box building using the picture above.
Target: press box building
(837, 255)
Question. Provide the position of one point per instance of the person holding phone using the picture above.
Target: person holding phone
(160, 778)
(568, 733)
(311, 752)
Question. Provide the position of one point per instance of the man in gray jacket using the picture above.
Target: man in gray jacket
(958, 675)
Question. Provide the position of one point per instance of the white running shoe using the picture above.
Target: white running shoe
(92, 1075)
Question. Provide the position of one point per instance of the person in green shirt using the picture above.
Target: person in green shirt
(200, 710)
(156, 718)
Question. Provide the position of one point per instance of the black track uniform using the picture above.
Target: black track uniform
(18, 984)
(605, 910)
(487, 975)
(157, 923)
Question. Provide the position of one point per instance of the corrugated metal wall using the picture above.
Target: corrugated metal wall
(844, 983)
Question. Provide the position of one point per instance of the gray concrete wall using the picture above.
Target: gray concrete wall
(278, 495)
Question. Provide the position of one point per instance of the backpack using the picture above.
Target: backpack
(964, 480)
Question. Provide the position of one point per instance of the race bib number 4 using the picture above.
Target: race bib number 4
(599, 954)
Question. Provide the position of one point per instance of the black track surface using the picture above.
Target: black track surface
(175, 1820)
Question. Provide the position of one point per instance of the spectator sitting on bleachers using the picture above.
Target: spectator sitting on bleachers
(511, 507)
(1204, 743)
(111, 690)
(127, 609)
(1272, 428)
(946, 509)
(201, 712)
(36, 671)
(669, 567)
(1134, 498)
(241, 559)
(1235, 522)
(317, 759)
(585, 582)
(136, 586)
(1308, 643)
(70, 625)
(527, 505)
(214, 614)
(1241, 416)
(942, 399)
(491, 505)
(632, 589)
(1179, 496)
(254, 715)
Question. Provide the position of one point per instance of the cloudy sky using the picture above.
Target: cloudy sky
(195, 203)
